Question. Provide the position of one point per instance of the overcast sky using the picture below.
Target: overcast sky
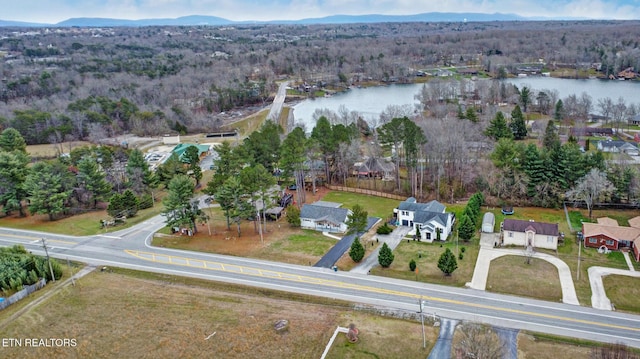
(52, 11)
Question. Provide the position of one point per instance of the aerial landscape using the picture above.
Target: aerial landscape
(320, 179)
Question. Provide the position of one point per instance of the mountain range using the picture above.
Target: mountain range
(194, 20)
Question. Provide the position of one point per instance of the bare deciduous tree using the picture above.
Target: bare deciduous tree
(477, 341)
(591, 188)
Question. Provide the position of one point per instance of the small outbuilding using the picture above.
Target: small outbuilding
(488, 222)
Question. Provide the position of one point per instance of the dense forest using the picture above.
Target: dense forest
(91, 83)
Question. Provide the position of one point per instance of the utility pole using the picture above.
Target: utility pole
(44, 244)
(579, 258)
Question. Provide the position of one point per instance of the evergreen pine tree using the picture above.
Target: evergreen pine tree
(498, 128)
(447, 262)
(465, 228)
(518, 126)
(357, 250)
(385, 257)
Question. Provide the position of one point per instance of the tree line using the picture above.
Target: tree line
(84, 83)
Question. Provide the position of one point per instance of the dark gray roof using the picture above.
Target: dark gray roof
(615, 144)
(410, 205)
(516, 225)
(426, 217)
(334, 215)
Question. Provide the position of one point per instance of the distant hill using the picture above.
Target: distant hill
(7, 23)
(334, 19)
(180, 21)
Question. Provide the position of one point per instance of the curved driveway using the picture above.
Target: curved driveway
(129, 248)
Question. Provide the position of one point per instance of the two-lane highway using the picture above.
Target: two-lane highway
(130, 248)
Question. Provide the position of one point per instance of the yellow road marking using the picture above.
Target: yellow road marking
(217, 266)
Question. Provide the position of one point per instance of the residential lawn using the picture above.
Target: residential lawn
(512, 275)
(623, 291)
(308, 244)
(280, 242)
(426, 256)
(376, 206)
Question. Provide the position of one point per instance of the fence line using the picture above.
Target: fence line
(366, 191)
(23, 293)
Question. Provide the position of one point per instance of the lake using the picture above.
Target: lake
(371, 101)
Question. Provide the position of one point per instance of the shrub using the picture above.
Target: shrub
(462, 249)
(412, 265)
(384, 229)
(293, 216)
(460, 256)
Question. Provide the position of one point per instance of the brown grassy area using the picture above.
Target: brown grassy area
(78, 225)
(144, 315)
(531, 348)
(53, 150)
(623, 291)
(512, 275)
(380, 337)
(138, 316)
(249, 124)
(280, 241)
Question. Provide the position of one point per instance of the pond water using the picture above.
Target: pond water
(371, 101)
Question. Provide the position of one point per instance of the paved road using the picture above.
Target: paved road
(343, 245)
(129, 248)
(442, 348)
(278, 101)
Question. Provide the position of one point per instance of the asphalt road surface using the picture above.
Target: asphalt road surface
(129, 248)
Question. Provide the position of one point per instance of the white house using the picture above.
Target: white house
(429, 218)
(618, 147)
(324, 216)
(529, 233)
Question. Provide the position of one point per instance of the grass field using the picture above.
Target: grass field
(124, 313)
(249, 124)
(511, 275)
(426, 256)
(53, 150)
(623, 292)
(143, 315)
(376, 206)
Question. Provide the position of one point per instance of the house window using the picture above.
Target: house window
(610, 242)
(428, 236)
(510, 234)
(593, 240)
(405, 213)
(549, 239)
